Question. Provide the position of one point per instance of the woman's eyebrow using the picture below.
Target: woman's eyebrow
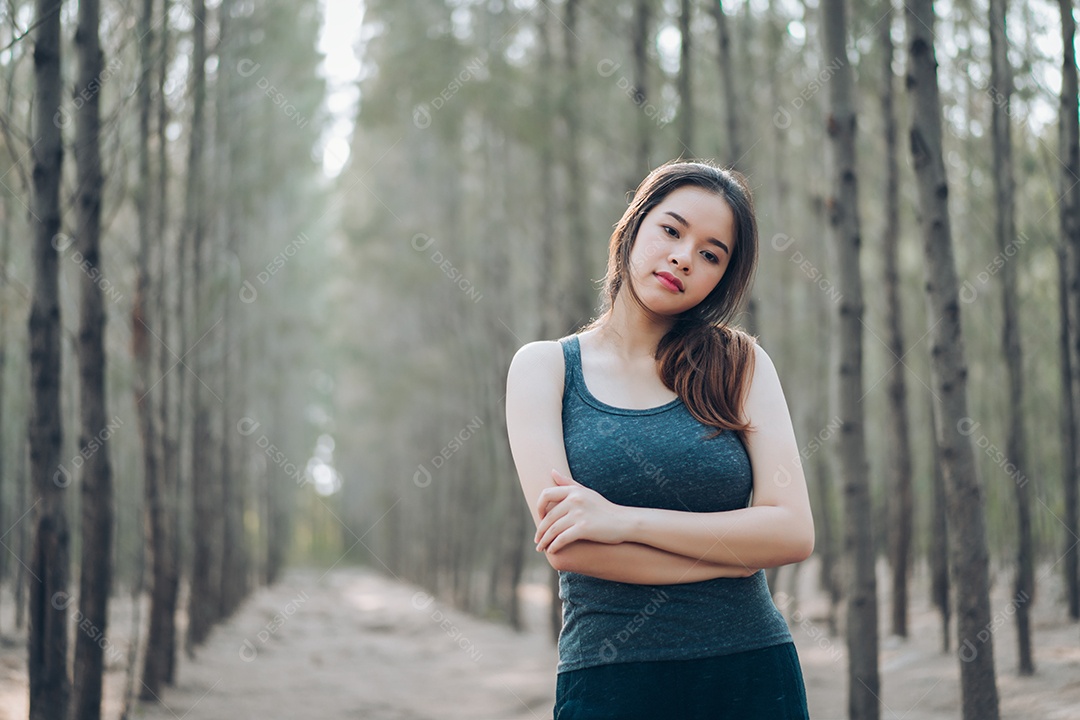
(678, 217)
(685, 224)
(719, 244)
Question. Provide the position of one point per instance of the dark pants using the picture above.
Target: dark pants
(765, 684)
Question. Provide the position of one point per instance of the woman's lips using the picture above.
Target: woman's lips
(670, 281)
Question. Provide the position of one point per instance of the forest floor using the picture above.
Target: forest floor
(351, 643)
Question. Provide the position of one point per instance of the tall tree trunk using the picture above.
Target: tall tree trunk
(900, 495)
(730, 91)
(169, 410)
(158, 526)
(50, 686)
(864, 687)
(1016, 444)
(1069, 150)
(685, 82)
(825, 546)
(95, 578)
(578, 256)
(5, 255)
(551, 323)
(645, 125)
(939, 537)
(1068, 426)
(205, 586)
(234, 561)
(969, 563)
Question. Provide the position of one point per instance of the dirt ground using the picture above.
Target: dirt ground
(351, 643)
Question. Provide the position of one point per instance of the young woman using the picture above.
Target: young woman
(638, 443)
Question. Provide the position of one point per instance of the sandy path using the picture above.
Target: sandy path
(353, 644)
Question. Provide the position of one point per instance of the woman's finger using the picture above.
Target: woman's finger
(550, 517)
(563, 538)
(549, 497)
(564, 479)
(552, 533)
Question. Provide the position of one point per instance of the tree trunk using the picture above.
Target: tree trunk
(1068, 427)
(1069, 142)
(5, 255)
(234, 561)
(939, 539)
(203, 602)
(50, 686)
(730, 91)
(551, 321)
(645, 125)
(169, 410)
(864, 687)
(159, 525)
(826, 543)
(967, 547)
(1016, 444)
(578, 256)
(900, 497)
(95, 579)
(685, 83)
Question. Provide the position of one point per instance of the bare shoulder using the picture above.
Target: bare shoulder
(765, 397)
(763, 364)
(539, 354)
(538, 360)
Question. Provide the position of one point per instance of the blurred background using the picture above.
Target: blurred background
(322, 230)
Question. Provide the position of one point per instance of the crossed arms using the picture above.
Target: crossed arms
(582, 532)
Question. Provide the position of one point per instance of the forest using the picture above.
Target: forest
(264, 267)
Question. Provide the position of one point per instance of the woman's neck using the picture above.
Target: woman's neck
(629, 331)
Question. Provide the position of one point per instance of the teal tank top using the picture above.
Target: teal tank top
(656, 457)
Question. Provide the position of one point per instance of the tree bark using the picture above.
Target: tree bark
(1069, 142)
(1005, 230)
(967, 547)
(50, 686)
(645, 125)
(685, 83)
(159, 523)
(730, 91)
(5, 256)
(577, 257)
(939, 539)
(234, 561)
(900, 497)
(95, 579)
(864, 687)
(203, 602)
(169, 410)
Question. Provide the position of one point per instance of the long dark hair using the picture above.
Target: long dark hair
(704, 359)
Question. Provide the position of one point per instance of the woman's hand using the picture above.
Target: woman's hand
(570, 511)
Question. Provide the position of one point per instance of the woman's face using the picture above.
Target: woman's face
(683, 248)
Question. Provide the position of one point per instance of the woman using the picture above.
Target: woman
(638, 443)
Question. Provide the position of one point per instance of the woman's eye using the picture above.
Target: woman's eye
(711, 258)
(671, 231)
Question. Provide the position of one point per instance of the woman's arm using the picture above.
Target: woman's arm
(534, 388)
(638, 564)
(777, 529)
